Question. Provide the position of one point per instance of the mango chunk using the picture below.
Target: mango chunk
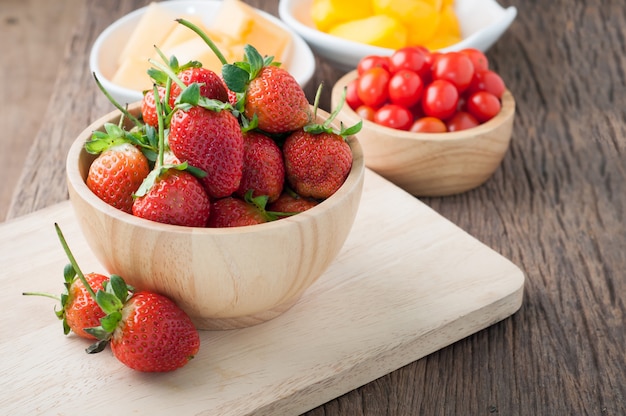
(328, 13)
(380, 30)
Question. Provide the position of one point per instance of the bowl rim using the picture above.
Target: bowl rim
(298, 43)
(506, 112)
(77, 182)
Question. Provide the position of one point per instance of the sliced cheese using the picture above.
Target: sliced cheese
(153, 27)
(241, 22)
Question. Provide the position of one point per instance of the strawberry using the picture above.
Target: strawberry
(147, 331)
(211, 84)
(263, 167)
(152, 335)
(290, 202)
(173, 196)
(116, 173)
(236, 212)
(148, 106)
(79, 309)
(276, 99)
(212, 141)
(317, 158)
(316, 164)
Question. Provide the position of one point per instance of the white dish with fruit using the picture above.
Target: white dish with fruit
(481, 22)
(119, 56)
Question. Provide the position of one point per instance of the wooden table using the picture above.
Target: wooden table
(556, 208)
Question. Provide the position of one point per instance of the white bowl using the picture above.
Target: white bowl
(109, 44)
(482, 23)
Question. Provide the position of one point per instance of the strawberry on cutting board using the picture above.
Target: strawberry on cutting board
(79, 309)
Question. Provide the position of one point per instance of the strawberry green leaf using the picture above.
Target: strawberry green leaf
(96, 347)
(190, 95)
(111, 321)
(254, 58)
(235, 77)
(108, 302)
(117, 286)
(147, 183)
(350, 131)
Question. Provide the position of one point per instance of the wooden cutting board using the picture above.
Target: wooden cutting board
(407, 283)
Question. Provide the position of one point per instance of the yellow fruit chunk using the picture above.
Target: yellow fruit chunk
(421, 18)
(448, 31)
(132, 74)
(328, 13)
(380, 30)
(196, 49)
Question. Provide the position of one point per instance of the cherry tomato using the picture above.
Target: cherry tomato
(440, 99)
(406, 58)
(405, 88)
(483, 105)
(480, 61)
(373, 87)
(487, 81)
(394, 116)
(365, 112)
(454, 67)
(372, 61)
(352, 97)
(461, 120)
(428, 125)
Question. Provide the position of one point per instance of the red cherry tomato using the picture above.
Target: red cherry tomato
(373, 87)
(352, 97)
(365, 112)
(483, 105)
(428, 125)
(461, 120)
(406, 58)
(405, 88)
(372, 61)
(454, 67)
(440, 99)
(487, 81)
(394, 116)
(480, 61)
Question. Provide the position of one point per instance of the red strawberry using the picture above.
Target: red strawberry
(316, 164)
(211, 84)
(116, 174)
(147, 331)
(277, 100)
(174, 197)
(154, 334)
(148, 107)
(79, 309)
(235, 212)
(289, 202)
(211, 141)
(317, 158)
(263, 167)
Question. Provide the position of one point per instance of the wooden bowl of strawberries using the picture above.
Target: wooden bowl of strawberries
(238, 208)
(435, 124)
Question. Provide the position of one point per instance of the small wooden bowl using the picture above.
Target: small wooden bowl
(223, 278)
(432, 164)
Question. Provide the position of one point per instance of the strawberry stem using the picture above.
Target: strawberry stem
(116, 104)
(47, 295)
(205, 38)
(72, 260)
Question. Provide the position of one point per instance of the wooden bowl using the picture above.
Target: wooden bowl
(432, 164)
(223, 278)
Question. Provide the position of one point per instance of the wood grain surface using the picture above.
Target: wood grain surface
(383, 303)
(556, 208)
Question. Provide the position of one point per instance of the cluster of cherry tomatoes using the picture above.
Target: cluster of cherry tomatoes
(422, 91)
